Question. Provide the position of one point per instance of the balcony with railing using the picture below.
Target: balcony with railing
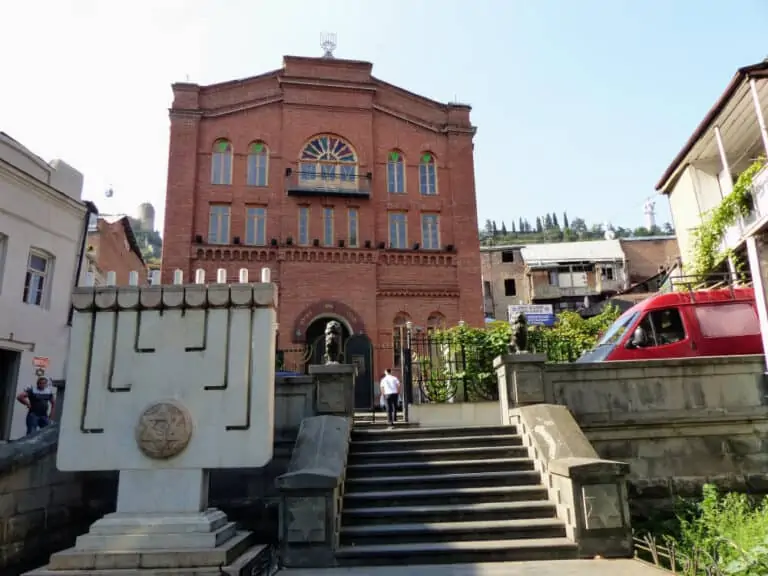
(759, 213)
(342, 181)
(553, 292)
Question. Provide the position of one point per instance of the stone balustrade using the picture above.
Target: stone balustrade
(590, 493)
(311, 492)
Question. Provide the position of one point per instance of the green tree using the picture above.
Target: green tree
(503, 228)
(555, 223)
(565, 220)
(539, 226)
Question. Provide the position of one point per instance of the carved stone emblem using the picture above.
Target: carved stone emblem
(164, 430)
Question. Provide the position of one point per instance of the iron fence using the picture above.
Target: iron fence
(294, 360)
(443, 368)
(668, 558)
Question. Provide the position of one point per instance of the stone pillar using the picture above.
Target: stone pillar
(521, 381)
(335, 388)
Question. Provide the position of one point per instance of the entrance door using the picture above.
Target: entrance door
(10, 360)
(359, 351)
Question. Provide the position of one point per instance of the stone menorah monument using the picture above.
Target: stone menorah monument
(165, 382)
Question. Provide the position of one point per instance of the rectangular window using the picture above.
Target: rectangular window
(218, 224)
(430, 232)
(395, 177)
(354, 228)
(398, 233)
(256, 226)
(607, 273)
(257, 169)
(508, 256)
(303, 225)
(510, 289)
(328, 226)
(37, 280)
(553, 278)
(428, 179)
(307, 171)
(486, 288)
(727, 320)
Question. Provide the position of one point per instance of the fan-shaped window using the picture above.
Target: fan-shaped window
(428, 175)
(399, 337)
(221, 163)
(258, 164)
(436, 321)
(328, 161)
(395, 173)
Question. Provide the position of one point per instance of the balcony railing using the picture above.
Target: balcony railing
(735, 233)
(548, 291)
(332, 183)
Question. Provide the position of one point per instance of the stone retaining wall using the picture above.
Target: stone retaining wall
(42, 510)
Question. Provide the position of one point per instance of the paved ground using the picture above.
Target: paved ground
(553, 568)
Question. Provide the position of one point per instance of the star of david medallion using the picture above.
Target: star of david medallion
(164, 430)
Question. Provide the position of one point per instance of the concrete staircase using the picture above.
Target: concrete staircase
(376, 420)
(445, 496)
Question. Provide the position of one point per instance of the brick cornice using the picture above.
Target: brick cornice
(417, 292)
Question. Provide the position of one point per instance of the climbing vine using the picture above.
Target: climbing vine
(709, 236)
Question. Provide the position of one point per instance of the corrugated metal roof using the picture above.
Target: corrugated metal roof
(590, 251)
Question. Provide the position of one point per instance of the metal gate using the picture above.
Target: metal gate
(358, 350)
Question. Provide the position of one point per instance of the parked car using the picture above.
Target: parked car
(717, 322)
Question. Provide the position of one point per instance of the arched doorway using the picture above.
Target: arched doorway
(315, 337)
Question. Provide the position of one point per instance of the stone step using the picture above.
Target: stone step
(458, 552)
(440, 466)
(442, 479)
(444, 496)
(483, 511)
(435, 454)
(417, 532)
(424, 432)
(446, 441)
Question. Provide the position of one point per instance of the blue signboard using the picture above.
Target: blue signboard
(540, 319)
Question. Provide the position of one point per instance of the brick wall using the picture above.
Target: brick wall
(374, 118)
(644, 256)
(111, 251)
(42, 510)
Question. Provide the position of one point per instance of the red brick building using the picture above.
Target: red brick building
(358, 195)
(112, 247)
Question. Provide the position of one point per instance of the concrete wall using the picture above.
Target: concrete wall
(42, 510)
(495, 271)
(34, 215)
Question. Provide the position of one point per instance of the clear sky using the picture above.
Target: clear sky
(580, 104)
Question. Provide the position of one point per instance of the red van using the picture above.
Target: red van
(718, 322)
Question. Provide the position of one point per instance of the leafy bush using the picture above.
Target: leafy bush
(727, 531)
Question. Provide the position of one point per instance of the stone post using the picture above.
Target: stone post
(335, 388)
(521, 381)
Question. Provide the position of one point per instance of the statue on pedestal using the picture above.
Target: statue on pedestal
(332, 342)
(519, 342)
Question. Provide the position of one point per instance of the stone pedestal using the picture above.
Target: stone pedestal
(165, 383)
(521, 381)
(335, 388)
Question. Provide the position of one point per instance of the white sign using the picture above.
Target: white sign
(515, 309)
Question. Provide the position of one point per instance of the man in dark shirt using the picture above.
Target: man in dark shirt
(38, 399)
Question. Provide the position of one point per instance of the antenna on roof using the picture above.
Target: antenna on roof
(328, 43)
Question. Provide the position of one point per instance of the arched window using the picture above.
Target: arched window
(395, 173)
(328, 161)
(398, 337)
(436, 321)
(258, 164)
(221, 163)
(428, 175)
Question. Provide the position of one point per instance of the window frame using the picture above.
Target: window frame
(399, 335)
(514, 287)
(226, 210)
(725, 307)
(257, 176)
(318, 170)
(329, 236)
(304, 219)
(426, 217)
(46, 275)
(396, 173)
(428, 174)
(353, 228)
(393, 219)
(507, 256)
(220, 166)
(652, 317)
(252, 224)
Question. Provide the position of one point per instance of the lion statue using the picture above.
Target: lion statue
(332, 342)
(519, 341)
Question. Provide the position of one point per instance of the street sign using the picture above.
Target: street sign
(535, 314)
(40, 362)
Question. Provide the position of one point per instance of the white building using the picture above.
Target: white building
(728, 140)
(42, 229)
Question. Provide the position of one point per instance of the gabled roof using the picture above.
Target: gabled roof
(127, 229)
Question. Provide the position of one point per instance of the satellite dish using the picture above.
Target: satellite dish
(109, 193)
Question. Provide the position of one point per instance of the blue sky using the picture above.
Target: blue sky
(580, 105)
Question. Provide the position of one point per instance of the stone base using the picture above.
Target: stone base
(195, 544)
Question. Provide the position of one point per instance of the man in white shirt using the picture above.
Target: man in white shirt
(390, 390)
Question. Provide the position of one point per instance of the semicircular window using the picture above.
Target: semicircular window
(328, 161)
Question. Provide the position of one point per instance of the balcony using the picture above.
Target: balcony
(736, 233)
(550, 292)
(329, 183)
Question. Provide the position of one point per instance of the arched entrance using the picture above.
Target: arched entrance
(315, 337)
